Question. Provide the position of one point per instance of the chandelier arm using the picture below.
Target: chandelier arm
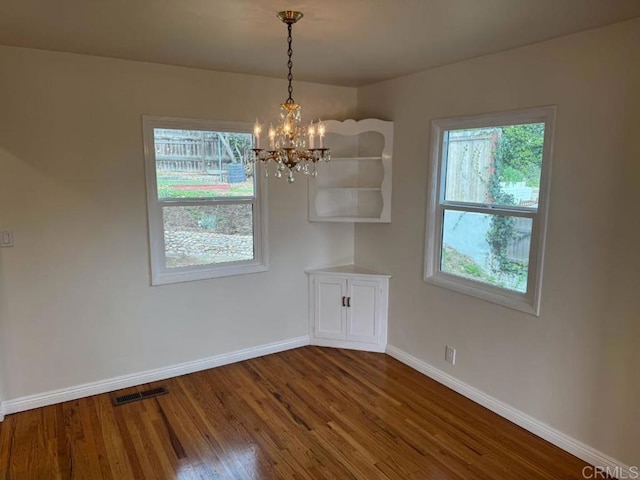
(290, 62)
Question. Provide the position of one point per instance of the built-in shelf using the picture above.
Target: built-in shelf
(355, 186)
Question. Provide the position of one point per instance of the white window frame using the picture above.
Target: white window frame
(528, 302)
(160, 274)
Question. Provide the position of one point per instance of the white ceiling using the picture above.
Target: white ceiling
(343, 42)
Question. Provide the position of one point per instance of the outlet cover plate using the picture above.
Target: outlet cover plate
(6, 238)
(450, 355)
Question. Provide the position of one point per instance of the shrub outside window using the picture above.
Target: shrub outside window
(206, 208)
(488, 204)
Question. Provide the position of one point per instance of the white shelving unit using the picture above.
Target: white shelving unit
(355, 186)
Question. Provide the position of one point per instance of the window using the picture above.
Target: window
(206, 207)
(488, 205)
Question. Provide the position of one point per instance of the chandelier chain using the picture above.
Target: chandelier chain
(290, 63)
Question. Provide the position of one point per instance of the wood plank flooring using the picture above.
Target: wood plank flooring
(309, 413)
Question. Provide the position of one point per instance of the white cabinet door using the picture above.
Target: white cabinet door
(329, 314)
(363, 310)
(348, 308)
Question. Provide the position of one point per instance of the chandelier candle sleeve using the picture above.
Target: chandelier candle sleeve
(321, 131)
(311, 131)
(256, 132)
(272, 138)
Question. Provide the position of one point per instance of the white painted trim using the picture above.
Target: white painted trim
(116, 383)
(542, 430)
(160, 274)
(436, 206)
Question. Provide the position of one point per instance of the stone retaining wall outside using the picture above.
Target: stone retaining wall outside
(188, 248)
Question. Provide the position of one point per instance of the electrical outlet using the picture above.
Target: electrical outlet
(450, 355)
(6, 238)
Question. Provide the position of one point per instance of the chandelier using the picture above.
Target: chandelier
(292, 147)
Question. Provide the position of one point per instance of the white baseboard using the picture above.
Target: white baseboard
(116, 383)
(565, 442)
(551, 435)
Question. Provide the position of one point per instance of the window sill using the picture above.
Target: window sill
(205, 273)
(514, 301)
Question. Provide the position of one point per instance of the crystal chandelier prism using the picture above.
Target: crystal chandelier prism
(292, 146)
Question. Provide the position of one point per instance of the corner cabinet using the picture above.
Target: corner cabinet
(355, 185)
(348, 308)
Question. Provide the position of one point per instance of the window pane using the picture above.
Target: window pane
(202, 164)
(205, 235)
(496, 165)
(492, 249)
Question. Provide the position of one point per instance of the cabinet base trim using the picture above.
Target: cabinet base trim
(366, 347)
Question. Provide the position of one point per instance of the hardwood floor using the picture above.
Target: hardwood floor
(309, 413)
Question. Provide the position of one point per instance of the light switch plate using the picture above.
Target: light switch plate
(6, 238)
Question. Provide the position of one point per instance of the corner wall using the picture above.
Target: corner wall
(77, 305)
(575, 367)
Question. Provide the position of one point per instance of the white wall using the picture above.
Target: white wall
(76, 301)
(576, 366)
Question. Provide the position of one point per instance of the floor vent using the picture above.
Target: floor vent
(133, 397)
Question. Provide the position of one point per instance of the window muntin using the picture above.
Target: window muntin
(487, 209)
(205, 205)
